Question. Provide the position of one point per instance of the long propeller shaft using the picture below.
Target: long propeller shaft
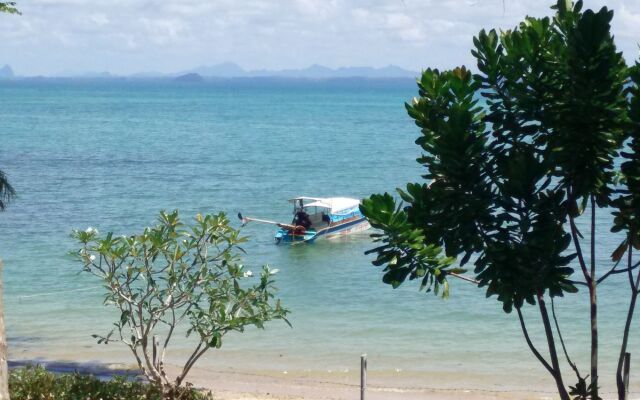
(246, 220)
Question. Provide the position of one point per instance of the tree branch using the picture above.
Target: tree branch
(464, 278)
(564, 348)
(627, 326)
(192, 359)
(576, 242)
(557, 372)
(531, 346)
(619, 271)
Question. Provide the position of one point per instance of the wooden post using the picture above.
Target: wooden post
(4, 370)
(363, 375)
(625, 374)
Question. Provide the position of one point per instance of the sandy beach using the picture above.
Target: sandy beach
(230, 384)
(251, 386)
(234, 378)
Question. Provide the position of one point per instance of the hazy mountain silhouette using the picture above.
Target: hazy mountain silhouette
(189, 78)
(232, 70)
(6, 72)
(224, 70)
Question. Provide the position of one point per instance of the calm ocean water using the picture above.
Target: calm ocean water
(112, 154)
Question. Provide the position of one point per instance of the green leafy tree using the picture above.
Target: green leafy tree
(173, 277)
(6, 194)
(514, 155)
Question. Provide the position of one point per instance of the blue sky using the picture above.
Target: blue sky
(128, 36)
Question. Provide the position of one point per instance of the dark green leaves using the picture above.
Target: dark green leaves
(451, 209)
(404, 251)
(587, 110)
(627, 204)
(510, 154)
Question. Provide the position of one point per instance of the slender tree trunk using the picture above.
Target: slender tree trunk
(623, 348)
(594, 339)
(627, 327)
(4, 371)
(168, 392)
(557, 373)
(594, 306)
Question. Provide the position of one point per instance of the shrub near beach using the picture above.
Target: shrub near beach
(31, 383)
(172, 276)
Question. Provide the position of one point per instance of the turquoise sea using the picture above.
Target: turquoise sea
(111, 154)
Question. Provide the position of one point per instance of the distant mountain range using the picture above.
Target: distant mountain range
(232, 70)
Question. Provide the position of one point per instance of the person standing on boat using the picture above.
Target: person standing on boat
(302, 219)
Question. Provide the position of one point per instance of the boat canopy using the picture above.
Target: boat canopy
(333, 204)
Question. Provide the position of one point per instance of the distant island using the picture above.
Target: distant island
(232, 70)
(6, 72)
(191, 77)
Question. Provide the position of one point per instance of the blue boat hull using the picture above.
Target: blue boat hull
(348, 226)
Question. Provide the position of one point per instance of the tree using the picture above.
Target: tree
(514, 156)
(173, 275)
(6, 194)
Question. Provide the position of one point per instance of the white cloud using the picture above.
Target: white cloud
(321, 9)
(164, 31)
(99, 19)
(628, 23)
(128, 36)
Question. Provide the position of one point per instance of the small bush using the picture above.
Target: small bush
(176, 277)
(36, 383)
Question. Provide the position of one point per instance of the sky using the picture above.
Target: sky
(58, 37)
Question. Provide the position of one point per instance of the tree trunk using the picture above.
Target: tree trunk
(627, 326)
(4, 370)
(593, 282)
(594, 339)
(557, 373)
(623, 348)
(169, 392)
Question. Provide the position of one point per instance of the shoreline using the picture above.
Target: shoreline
(232, 384)
(233, 378)
(242, 385)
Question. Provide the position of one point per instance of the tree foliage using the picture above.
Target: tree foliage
(6, 194)
(9, 7)
(173, 275)
(6, 190)
(513, 156)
